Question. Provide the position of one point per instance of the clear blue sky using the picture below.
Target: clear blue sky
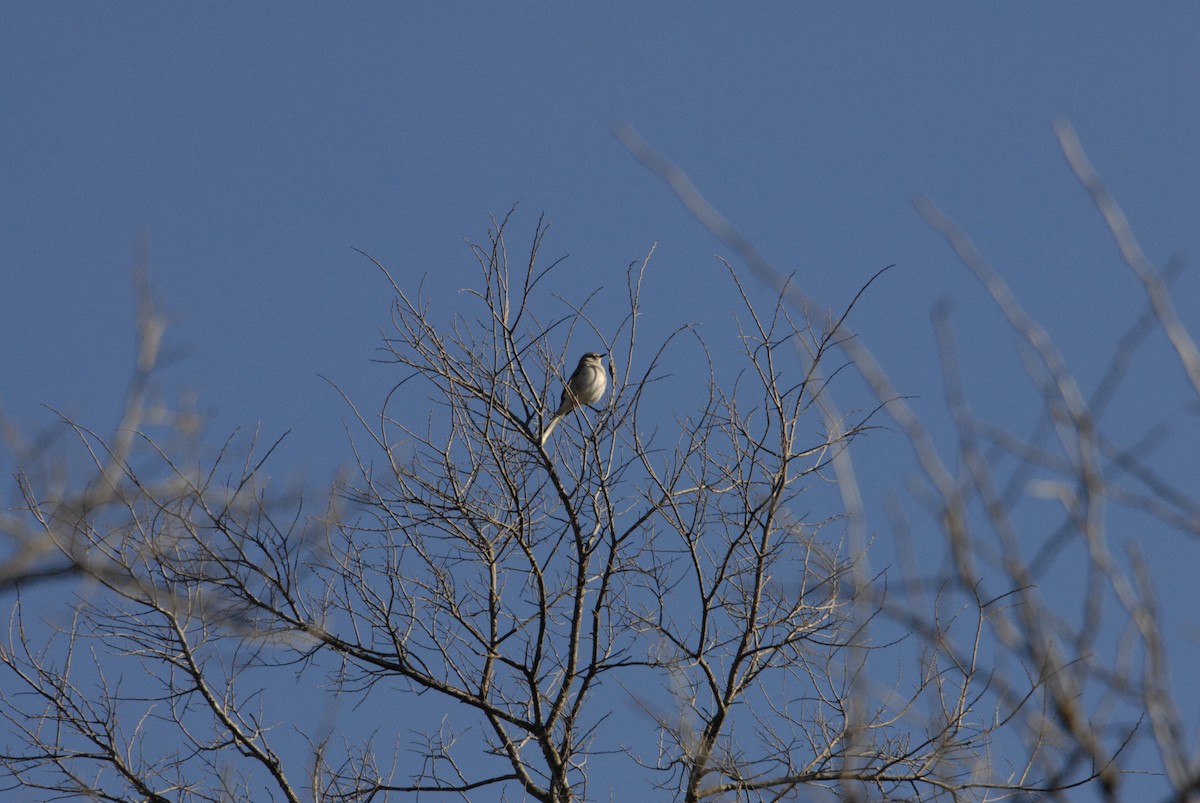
(254, 145)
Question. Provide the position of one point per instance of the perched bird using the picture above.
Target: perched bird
(586, 386)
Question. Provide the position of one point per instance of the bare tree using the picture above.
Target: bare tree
(519, 580)
(674, 604)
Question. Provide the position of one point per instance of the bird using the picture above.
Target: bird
(586, 386)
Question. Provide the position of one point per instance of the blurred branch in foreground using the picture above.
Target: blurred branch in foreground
(1084, 697)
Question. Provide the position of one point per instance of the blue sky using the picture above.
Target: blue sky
(253, 146)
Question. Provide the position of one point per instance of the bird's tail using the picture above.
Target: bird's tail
(549, 428)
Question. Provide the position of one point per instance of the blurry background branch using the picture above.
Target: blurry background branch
(1070, 685)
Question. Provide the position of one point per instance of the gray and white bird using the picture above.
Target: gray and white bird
(586, 386)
